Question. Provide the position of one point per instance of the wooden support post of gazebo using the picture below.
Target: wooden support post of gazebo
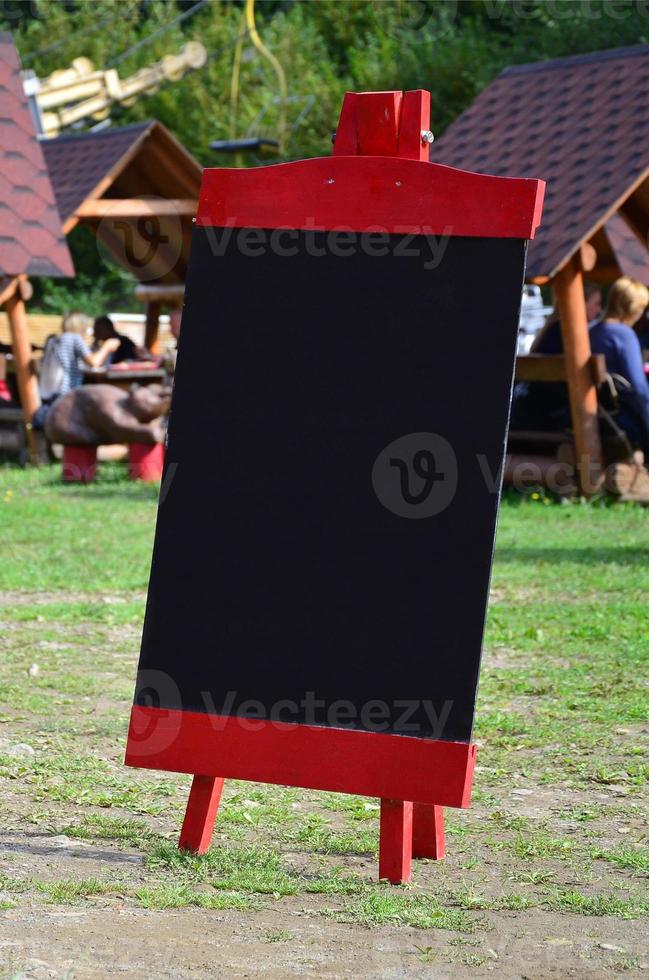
(14, 291)
(568, 287)
(152, 327)
(155, 295)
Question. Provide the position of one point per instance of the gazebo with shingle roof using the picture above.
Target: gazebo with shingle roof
(136, 187)
(582, 124)
(31, 240)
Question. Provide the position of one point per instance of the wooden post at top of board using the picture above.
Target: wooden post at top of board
(388, 124)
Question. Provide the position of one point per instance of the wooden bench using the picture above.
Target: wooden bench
(13, 435)
(13, 432)
(552, 367)
(549, 368)
(549, 453)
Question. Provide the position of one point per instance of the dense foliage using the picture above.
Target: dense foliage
(452, 47)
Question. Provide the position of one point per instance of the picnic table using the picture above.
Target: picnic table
(125, 374)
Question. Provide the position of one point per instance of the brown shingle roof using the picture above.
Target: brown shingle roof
(30, 230)
(142, 160)
(78, 164)
(579, 123)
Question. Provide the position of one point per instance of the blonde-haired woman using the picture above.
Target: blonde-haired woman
(73, 351)
(65, 355)
(615, 338)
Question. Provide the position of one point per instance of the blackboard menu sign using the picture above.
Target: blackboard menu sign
(327, 515)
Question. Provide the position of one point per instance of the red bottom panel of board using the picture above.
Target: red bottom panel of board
(341, 760)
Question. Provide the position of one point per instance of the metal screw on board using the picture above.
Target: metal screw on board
(426, 136)
(331, 181)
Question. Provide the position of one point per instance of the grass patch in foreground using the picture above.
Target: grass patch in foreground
(178, 896)
(419, 911)
(68, 891)
(254, 869)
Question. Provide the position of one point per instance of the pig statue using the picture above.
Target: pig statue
(96, 415)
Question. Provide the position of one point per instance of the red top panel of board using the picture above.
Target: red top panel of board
(396, 192)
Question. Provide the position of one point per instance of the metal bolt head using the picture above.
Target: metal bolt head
(426, 136)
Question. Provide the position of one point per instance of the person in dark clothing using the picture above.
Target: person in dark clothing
(642, 330)
(614, 337)
(104, 329)
(543, 405)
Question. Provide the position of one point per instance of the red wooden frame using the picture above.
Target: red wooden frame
(342, 760)
(380, 194)
(378, 180)
(414, 777)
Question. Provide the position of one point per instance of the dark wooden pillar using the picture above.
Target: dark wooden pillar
(569, 292)
(22, 351)
(152, 326)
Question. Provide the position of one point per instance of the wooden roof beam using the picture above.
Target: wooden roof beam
(636, 217)
(169, 294)
(135, 208)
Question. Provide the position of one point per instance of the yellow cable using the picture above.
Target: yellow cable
(281, 77)
(236, 74)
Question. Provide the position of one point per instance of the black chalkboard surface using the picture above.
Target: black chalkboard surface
(300, 571)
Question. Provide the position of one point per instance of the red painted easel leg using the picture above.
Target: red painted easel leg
(395, 843)
(428, 839)
(202, 807)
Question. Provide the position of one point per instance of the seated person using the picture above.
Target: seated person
(104, 329)
(544, 405)
(642, 330)
(72, 352)
(63, 359)
(616, 339)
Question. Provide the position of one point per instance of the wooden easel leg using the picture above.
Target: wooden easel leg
(202, 807)
(395, 843)
(428, 840)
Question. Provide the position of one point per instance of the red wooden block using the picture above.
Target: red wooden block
(415, 119)
(79, 464)
(202, 807)
(395, 844)
(341, 760)
(145, 462)
(428, 839)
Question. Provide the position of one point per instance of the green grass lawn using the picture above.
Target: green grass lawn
(557, 826)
